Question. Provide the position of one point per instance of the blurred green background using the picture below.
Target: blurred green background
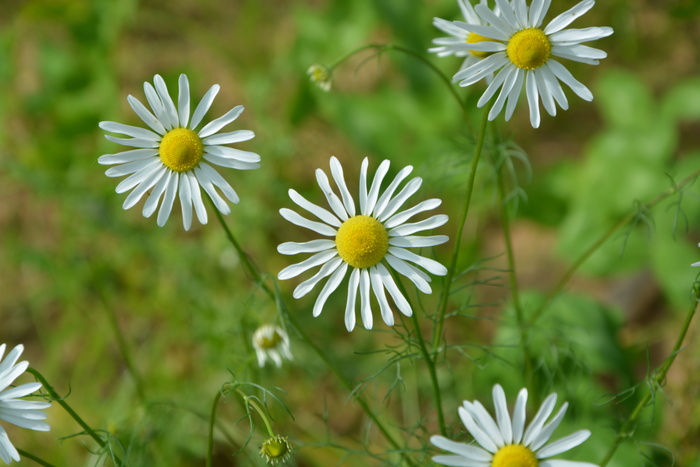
(69, 254)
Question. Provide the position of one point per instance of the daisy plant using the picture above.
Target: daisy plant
(172, 157)
(13, 409)
(523, 53)
(369, 240)
(505, 441)
(271, 342)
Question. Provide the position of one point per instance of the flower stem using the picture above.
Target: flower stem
(39, 461)
(444, 298)
(61, 401)
(658, 378)
(212, 419)
(261, 412)
(513, 278)
(604, 238)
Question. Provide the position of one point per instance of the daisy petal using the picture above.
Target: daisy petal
(533, 431)
(203, 106)
(183, 100)
(391, 287)
(378, 289)
(403, 216)
(563, 444)
(298, 268)
(502, 416)
(566, 18)
(353, 285)
(472, 453)
(313, 246)
(565, 76)
(432, 266)
(365, 309)
(317, 227)
(215, 125)
(337, 174)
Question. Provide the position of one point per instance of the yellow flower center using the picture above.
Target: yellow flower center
(529, 49)
(362, 241)
(473, 38)
(181, 149)
(269, 342)
(514, 455)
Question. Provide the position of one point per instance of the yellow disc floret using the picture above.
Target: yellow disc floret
(514, 455)
(529, 49)
(473, 38)
(268, 340)
(362, 241)
(181, 149)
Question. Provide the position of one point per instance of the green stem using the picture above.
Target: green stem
(254, 404)
(444, 298)
(61, 401)
(212, 419)
(387, 47)
(123, 347)
(255, 275)
(39, 461)
(658, 379)
(513, 280)
(604, 238)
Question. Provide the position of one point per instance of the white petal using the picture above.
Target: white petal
(329, 288)
(139, 177)
(154, 177)
(8, 453)
(365, 309)
(317, 227)
(472, 453)
(428, 264)
(373, 194)
(508, 14)
(481, 69)
(538, 10)
(185, 201)
(229, 163)
(337, 173)
(298, 268)
(167, 101)
(566, 18)
(545, 93)
(409, 190)
(325, 271)
(149, 207)
(554, 87)
(183, 100)
(333, 200)
(510, 78)
(548, 429)
(520, 13)
(215, 125)
(563, 444)
(123, 157)
(353, 285)
(131, 167)
(206, 183)
(418, 242)
(490, 17)
(545, 410)
(133, 142)
(479, 435)
(493, 86)
(203, 106)
(145, 115)
(378, 289)
(229, 138)
(533, 99)
(231, 153)
(580, 35)
(317, 211)
(502, 416)
(565, 76)
(363, 185)
(168, 199)
(219, 181)
(414, 275)
(400, 301)
(427, 224)
(403, 216)
(519, 416)
(458, 461)
(563, 463)
(157, 105)
(514, 95)
(197, 202)
(485, 421)
(389, 192)
(483, 30)
(313, 246)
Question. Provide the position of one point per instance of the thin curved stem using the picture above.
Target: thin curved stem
(61, 401)
(658, 379)
(261, 412)
(210, 437)
(604, 238)
(36, 459)
(444, 298)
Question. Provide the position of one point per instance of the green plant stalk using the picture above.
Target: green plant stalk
(604, 238)
(658, 379)
(123, 347)
(388, 47)
(513, 278)
(256, 276)
(54, 395)
(428, 362)
(210, 437)
(261, 412)
(444, 298)
(36, 459)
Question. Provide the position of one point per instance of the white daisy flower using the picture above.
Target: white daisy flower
(369, 241)
(321, 75)
(506, 442)
(459, 44)
(270, 341)
(25, 414)
(524, 55)
(172, 158)
(696, 264)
